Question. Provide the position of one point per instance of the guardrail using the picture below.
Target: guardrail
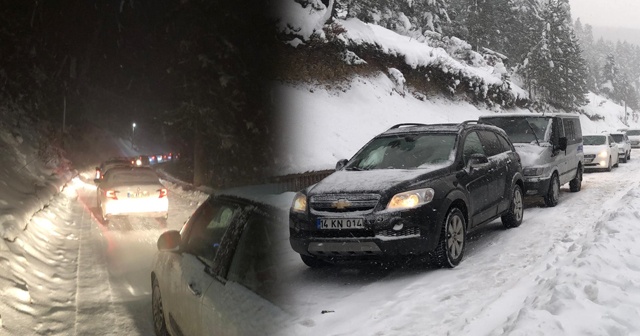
(297, 182)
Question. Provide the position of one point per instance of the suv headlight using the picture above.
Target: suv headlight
(533, 171)
(299, 203)
(411, 199)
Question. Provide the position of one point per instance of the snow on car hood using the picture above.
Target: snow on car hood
(594, 149)
(533, 155)
(345, 181)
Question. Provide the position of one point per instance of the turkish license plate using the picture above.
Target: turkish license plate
(339, 223)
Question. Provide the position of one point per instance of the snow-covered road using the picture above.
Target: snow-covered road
(78, 277)
(569, 270)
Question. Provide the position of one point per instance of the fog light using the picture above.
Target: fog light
(603, 163)
(398, 227)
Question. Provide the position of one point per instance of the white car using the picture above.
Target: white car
(218, 275)
(634, 137)
(624, 146)
(600, 152)
(132, 191)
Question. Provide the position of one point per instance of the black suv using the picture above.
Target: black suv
(414, 189)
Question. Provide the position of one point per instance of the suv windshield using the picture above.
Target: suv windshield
(594, 140)
(619, 138)
(633, 132)
(522, 129)
(407, 151)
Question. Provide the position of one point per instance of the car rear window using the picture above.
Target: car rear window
(407, 151)
(618, 137)
(134, 177)
(633, 132)
(594, 140)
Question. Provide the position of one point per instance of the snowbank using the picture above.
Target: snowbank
(27, 185)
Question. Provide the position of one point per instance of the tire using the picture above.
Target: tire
(513, 217)
(553, 195)
(452, 242)
(617, 163)
(629, 156)
(157, 310)
(609, 166)
(312, 261)
(624, 159)
(576, 184)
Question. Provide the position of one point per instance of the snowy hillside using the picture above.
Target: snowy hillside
(320, 126)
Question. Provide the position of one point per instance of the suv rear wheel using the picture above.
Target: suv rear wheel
(553, 195)
(452, 241)
(513, 217)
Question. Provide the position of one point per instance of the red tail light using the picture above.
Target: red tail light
(163, 193)
(111, 194)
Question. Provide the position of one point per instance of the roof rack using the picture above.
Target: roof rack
(406, 124)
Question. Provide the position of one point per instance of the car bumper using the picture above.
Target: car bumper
(536, 186)
(154, 207)
(411, 232)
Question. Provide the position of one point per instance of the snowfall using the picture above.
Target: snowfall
(567, 270)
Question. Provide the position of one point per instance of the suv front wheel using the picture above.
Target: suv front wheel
(452, 239)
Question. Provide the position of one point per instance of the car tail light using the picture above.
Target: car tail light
(111, 194)
(163, 193)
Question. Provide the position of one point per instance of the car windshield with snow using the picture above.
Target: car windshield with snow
(550, 146)
(412, 190)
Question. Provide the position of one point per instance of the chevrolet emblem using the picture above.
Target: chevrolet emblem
(341, 204)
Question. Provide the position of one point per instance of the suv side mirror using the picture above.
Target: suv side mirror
(169, 241)
(341, 164)
(562, 143)
(477, 159)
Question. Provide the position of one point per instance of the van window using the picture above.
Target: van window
(572, 130)
(522, 129)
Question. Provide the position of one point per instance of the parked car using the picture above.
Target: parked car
(600, 152)
(111, 163)
(412, 190)
(218, 275)
(624, 146)
(550, 146)
(634, 137)
(132, 191)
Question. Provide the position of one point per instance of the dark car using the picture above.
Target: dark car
(412, 190)
(219, 274)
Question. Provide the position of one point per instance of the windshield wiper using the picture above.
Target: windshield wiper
(533, 131)
(355, 169)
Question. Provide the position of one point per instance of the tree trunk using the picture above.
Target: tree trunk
(199, 160)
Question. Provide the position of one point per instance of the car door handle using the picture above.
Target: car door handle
(193, 289)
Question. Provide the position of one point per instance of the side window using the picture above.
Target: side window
(254, 262)
(472, 145)
(557, 129)
(504, 142)
(611, 141)
(208, 229)
(572, 131)
(490, 143)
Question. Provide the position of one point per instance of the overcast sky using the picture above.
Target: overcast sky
(607, 13)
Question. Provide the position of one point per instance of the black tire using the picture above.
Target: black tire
(576, 184)
(629, 156)
(513, 217)
(452, 242)
(312, 261)
(624, 159)
(609, 166)
(617, 163)
(157, 310)
(553, 195)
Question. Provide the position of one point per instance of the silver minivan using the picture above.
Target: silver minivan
(550, 147)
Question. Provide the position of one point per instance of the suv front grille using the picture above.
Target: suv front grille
(411, 231)
(344, 202)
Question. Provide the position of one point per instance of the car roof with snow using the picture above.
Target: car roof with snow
(436, 128)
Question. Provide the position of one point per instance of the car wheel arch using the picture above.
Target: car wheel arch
(455, 199)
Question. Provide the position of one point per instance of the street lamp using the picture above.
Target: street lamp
(133, 133)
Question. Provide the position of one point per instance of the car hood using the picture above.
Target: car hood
(373, 181)
(594, 149)
(532, 155)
